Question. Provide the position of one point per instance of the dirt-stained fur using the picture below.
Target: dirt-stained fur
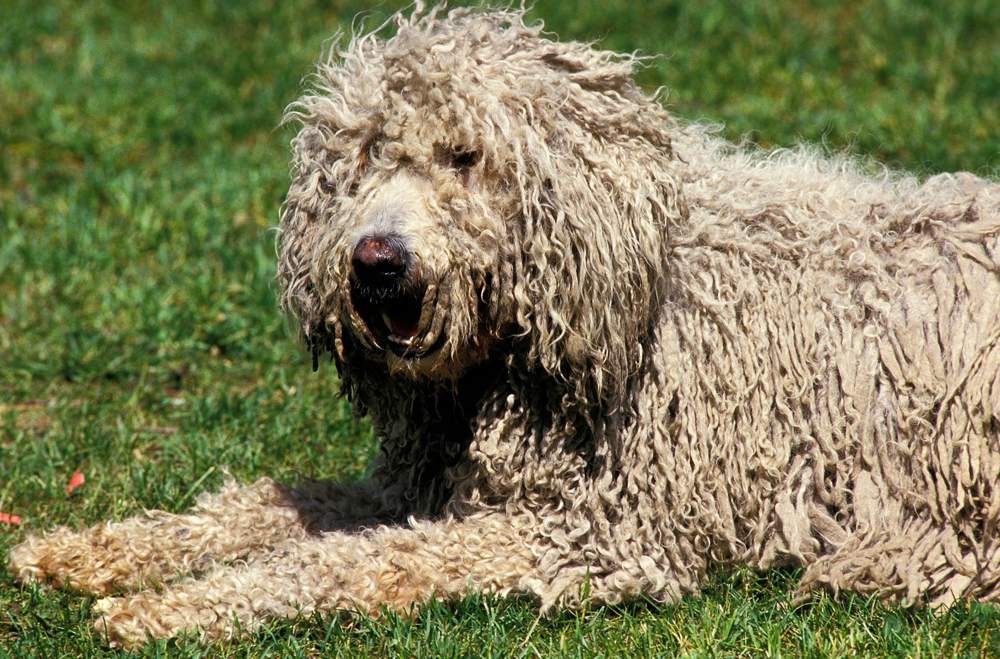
(603, 350)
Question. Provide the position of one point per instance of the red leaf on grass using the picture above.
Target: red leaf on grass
(75, 481)
(7, 518)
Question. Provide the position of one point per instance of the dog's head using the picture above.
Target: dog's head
(470, 187)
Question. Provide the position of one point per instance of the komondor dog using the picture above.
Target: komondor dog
(604, 351)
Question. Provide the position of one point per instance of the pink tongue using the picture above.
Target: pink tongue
(401, 327)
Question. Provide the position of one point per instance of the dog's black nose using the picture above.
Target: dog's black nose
(379, 260)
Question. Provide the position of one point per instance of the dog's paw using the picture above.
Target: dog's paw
(116, 625)
(124, 622)
(92, 560)
(62, 557)
(132, 620)
(27, 561)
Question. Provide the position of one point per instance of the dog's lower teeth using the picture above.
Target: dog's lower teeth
(395, 338)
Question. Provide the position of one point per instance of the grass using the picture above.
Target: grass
(140, 174)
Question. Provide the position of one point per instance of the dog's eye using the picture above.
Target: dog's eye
(326, 185)
(464, 159)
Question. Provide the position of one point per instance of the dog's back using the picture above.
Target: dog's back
(835, 339)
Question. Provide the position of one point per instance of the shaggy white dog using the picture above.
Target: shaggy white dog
(603, 351)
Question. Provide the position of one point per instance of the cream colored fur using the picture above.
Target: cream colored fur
(649, 352)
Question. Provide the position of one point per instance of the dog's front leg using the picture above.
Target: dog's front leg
(234, 523)
(395, 567)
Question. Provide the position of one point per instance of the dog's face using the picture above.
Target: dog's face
(469, 186)
(408, 215)
(418, 281)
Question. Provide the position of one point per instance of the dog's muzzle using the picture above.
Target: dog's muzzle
(388, 292)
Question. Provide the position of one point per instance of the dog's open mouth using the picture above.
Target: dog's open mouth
(397, 318)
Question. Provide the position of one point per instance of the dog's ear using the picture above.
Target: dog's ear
(296, 238)
(599, 197)
(300, 235)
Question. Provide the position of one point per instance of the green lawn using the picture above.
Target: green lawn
(141, 169)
